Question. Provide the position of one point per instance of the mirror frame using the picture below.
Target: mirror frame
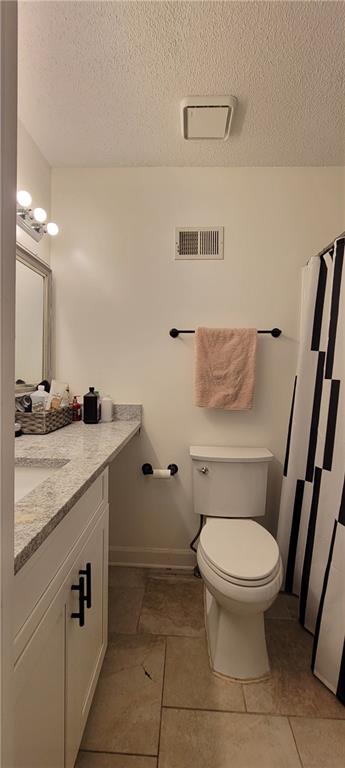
(32, 261)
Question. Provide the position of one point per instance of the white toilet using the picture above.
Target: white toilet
(238, 559)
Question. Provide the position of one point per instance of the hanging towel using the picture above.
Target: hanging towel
(225, 368)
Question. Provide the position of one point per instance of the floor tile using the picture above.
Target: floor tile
(173, 606)
(284, 607)
(102, 760)
(125, 713)
(121, 576)
(191, 739)
(168, 573)
(124, 610)
(189, 681)
(321, 743)
(292, 688)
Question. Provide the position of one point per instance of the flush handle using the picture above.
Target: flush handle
(203, 470)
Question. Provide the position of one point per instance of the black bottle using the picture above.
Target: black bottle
(91, 410)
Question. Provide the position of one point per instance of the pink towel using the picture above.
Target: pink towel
(225, 368)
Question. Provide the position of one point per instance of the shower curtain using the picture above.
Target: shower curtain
(311, 531)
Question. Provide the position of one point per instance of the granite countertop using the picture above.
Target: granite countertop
(77, 454)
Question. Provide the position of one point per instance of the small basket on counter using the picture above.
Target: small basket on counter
(42, 422)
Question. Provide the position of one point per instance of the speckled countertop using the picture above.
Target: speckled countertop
(78, 453)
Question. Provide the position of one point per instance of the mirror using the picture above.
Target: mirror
(33, 320)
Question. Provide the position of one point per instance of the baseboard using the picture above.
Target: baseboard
(149, 557)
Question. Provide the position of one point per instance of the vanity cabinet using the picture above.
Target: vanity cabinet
(85, 645)
(39, 694)
(61, 641)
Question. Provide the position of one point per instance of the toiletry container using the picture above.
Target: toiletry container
(59, 396)
(107, 408)
(76, 409)
(92, 407)
(39, 397)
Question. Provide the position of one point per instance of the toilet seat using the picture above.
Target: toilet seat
(240, 551)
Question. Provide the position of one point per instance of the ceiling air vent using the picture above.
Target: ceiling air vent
(207, 117)
(199, 243)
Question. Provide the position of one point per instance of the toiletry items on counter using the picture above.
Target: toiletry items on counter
(24, 404)
(39, 398)
(42, 412)
(106, 408)
(92, 407)
(42, 422)
(76, 406)
(58, 396)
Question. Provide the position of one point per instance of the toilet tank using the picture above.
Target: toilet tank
(229, 481)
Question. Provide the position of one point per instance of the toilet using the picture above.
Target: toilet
(238, 559)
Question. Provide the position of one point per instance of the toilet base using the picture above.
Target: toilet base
(236, 642)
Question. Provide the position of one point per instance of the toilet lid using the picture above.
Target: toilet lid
(241, 549)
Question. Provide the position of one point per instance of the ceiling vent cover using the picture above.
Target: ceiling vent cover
(207, 117)
(199, 243)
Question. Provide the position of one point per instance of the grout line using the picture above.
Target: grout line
(141, 608)
(139, 613)
(295, 742)
(301, 717)
(244, 698)
(165, 672)
(306, 717)
(109, 752)
(262, 714)
(161, 707)
(156, 634)
(210, 709)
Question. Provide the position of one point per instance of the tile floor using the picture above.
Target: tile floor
(157, 705)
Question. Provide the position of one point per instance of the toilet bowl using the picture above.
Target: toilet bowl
(241, 566)
(238, 559)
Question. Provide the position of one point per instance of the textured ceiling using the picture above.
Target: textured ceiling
(100, 82)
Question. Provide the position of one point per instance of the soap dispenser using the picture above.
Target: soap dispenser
(92, 409)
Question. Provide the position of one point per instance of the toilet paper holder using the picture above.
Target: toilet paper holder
(147, 469)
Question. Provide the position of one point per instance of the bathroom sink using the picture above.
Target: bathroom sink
(29, 475)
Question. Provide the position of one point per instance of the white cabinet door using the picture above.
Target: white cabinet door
(39, 683)
(86, 644)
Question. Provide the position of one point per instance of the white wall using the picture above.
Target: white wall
(34, 175)
(119, 290)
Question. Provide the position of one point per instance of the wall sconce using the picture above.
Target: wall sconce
(33, 221)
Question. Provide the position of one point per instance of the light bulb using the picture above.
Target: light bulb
(24, 198)
(40, 215)
(52, 228)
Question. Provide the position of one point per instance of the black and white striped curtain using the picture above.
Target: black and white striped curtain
(311, 532)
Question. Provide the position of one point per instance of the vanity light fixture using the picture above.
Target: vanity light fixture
(24, 198)
(52, 228)
(33, 222)
(40, 215)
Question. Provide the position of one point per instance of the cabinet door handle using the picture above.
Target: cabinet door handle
(81, 613)
(87, 572)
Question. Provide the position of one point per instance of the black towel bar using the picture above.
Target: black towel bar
(174, 332)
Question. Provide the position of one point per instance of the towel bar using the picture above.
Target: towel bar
(174, 332)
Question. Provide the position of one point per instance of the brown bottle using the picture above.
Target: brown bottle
(91, 410)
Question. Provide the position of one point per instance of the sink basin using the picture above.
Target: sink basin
(29, 475)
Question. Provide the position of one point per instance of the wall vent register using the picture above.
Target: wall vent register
(199, 243)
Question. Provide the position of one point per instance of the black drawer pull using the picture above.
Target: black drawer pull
(87, 572)
(81, 613)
